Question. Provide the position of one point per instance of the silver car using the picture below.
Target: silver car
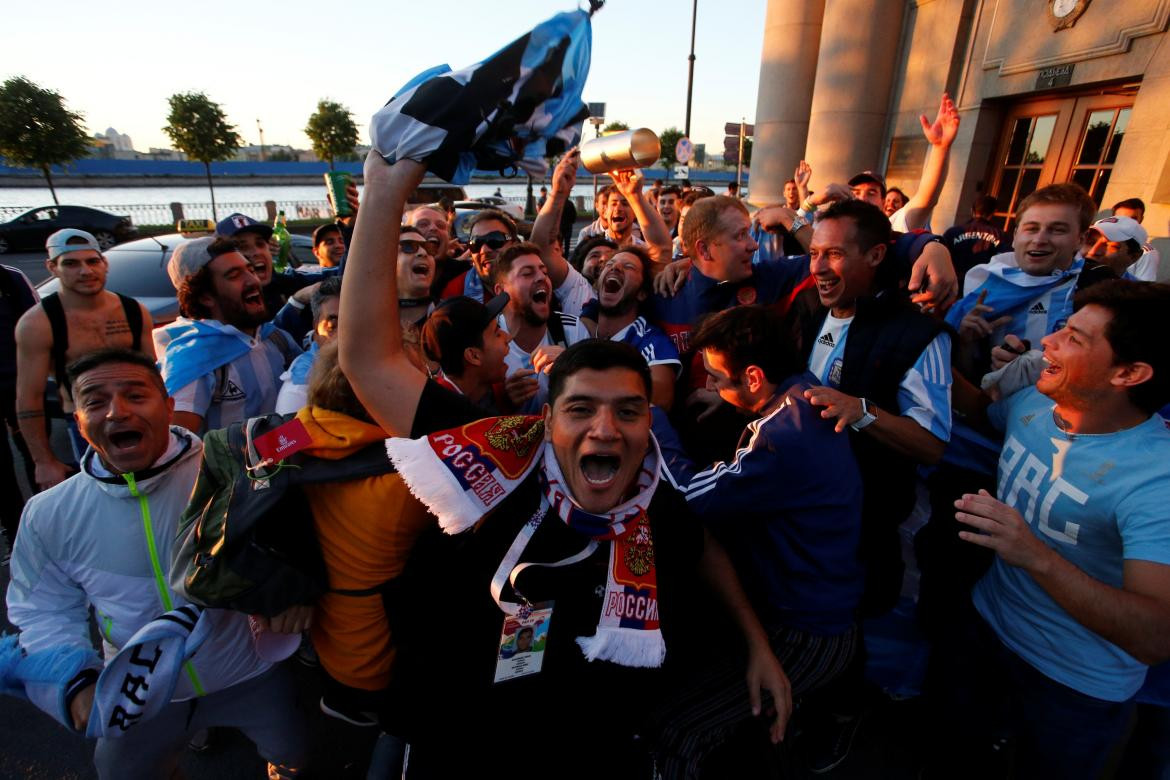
(139, 269)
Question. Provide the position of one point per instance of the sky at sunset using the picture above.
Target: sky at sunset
(117, 63)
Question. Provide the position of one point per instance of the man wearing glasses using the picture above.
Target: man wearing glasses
(491, 231)
(430, 219)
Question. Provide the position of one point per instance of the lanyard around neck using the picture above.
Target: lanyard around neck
(508, 570)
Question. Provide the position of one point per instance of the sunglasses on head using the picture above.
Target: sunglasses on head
(493, 240)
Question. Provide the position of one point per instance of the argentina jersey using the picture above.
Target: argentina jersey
(1036, 305)
(828, 352)
(245, 387)
(924, 394)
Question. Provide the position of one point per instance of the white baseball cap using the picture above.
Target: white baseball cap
(1121, 229)
(58, 243)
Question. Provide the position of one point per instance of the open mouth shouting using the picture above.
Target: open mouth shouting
(125, 440)
(600, 471)
(421, 268)
(540, 294)
(252, 298)
(611, 287)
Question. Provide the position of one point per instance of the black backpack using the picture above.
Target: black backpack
(246, 539)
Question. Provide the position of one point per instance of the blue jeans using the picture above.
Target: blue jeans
(981, 692)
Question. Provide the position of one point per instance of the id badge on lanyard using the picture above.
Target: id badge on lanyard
(520, 651)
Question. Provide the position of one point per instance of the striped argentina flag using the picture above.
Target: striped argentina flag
(505, 113)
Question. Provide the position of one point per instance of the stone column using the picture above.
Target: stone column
(851, 98)
(788, 66)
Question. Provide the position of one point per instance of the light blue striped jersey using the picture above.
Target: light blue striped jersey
(246, 387)
(924, 394)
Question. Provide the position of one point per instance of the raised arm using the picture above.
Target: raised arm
(941, 134)
(654, 230)
(548, 221)
(772, 218)
(373, 359)
(802, 175)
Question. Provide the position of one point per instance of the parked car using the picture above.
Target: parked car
(464, 209)
(139, 269)
(30, 229)
(513, 210)
(431, 192)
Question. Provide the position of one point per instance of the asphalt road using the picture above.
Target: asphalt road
(31, 263)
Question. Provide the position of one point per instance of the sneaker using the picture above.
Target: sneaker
(335, 709)
(829, 744)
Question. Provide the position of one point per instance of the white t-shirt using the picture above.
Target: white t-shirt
(517, 358)
(574, 292)
(1146, 268)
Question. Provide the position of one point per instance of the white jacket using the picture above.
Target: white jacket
(88, 541)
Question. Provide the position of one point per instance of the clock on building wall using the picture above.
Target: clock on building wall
(1064, 13)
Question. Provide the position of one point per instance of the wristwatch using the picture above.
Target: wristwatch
(797, 223)
(867, 417)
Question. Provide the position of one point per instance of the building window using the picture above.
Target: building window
(1027, 150)
(1101, 139)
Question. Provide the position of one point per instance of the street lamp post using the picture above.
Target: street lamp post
(691, 67)
(261, 129)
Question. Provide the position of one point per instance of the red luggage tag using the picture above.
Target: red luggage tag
(278, 444)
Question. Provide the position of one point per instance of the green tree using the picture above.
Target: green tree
(615, 127)
(332, 131)
(199, 129)
(36, 130)
(747, 152)
(668, 138)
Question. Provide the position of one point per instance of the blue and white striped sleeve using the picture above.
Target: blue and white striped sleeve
(195, 397)
(924, 394)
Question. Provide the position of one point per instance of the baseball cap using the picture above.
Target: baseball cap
(868, 177)
(188, 258)
(457, 323)
(58, 243)
(1121, 229)
(322, 230)
(239, 223)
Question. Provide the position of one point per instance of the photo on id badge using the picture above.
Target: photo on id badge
(522, 644)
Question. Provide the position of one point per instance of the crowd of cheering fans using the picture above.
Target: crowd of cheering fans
(610, 498)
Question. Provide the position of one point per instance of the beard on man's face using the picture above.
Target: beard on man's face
(532, 318)
(622, 307)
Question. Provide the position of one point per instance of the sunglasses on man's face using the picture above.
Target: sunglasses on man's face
(493, 240)
(409, 246)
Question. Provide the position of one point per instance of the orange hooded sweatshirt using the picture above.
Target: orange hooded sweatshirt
(366, 529)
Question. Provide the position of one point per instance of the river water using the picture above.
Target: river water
(105, 197)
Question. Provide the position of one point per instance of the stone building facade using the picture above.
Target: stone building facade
(1048, 90)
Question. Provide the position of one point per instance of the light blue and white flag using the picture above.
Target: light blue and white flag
(505, 113)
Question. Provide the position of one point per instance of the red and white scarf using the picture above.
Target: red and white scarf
(463, 473)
